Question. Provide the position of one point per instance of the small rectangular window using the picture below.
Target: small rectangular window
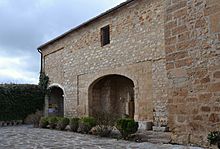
(105, 35)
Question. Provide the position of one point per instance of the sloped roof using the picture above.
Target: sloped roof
(86, 23)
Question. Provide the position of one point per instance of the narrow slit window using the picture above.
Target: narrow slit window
(105, 35)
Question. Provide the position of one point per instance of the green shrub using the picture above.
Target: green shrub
(43, 82)
(44, 121)
(86, 124)
(103, 130)
(126, 127)
(53, 122)
(214, 138)
(34, 118)
(62, 123)
(74, 124)
(105, 123)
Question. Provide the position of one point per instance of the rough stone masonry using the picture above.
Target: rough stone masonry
(161, 65)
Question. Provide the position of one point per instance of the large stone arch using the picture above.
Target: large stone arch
(55, 100)
(112, 93)
(141, 76)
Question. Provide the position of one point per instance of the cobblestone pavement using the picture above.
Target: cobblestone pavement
(26, 137)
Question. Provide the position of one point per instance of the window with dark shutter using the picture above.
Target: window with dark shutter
(105, 35)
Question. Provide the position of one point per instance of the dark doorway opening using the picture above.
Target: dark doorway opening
(113, 94)
(56, 102)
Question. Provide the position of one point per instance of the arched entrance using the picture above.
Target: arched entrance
(113, 94)
(55, 102)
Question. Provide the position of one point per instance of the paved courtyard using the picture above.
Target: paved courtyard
(26, 137)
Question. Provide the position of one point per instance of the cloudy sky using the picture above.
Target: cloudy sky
(26, 24)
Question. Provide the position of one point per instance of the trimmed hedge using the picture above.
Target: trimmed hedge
(17, 101)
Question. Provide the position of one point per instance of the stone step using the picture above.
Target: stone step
(154, 132)
(154, 137)
(159, 141)
(158, 135)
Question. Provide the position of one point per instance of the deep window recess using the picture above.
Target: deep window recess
(105, 35)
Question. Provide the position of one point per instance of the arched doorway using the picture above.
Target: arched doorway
(55, 102)
(113, 94)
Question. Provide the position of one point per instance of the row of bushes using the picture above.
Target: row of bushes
(87, 125)
(17, 101)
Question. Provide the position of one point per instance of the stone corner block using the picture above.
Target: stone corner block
(145, 125)
(160, 129)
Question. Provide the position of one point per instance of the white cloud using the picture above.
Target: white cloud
(14, 70)
(18, 76)
(10, 62)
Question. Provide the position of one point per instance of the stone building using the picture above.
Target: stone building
(153, 60)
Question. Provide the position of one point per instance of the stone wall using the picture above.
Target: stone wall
(136, 49)
(169, 49)
(192, 30)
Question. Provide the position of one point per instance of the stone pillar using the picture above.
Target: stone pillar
(46, 104)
